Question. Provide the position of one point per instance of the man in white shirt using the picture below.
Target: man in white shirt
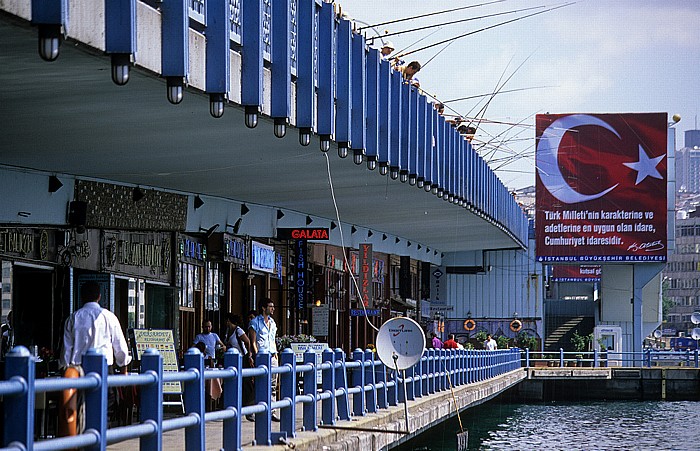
(490, 343)
(263, 332)
(93, 327)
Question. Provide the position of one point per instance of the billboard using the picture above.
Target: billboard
(601, 187)
(576, 273)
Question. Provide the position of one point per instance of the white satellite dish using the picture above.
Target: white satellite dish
(695, 318)
(400, 343)
(657, 333)
(696, 333)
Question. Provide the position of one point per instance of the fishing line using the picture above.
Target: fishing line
(468, 19)
(486, 28)
(342, 242)
(434, 13)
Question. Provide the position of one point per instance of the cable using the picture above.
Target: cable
(342, 242)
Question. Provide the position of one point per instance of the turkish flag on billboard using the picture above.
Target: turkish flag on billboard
(601, 187)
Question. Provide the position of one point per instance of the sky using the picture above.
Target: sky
(593, 56)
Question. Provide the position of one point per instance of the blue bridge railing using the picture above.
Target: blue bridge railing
(349, 387)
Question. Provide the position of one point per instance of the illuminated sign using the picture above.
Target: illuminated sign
(366, 274)
(301, 275)
(263, 257)
(308, 233)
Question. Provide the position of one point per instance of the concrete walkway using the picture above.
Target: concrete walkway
(424, 413)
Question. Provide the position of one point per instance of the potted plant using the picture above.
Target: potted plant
(580, 344)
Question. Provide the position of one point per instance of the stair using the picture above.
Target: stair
(554, 341)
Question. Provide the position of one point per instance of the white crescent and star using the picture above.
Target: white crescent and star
(548, 159)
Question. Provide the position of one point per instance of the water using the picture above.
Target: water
(599, 425)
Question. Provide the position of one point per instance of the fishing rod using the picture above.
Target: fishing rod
(414, 43)
(434, 13)
(502, 92)
(468, 19)
(486, 28)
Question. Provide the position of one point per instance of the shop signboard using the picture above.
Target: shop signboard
(146, 255)
(163, 341)
(39, 245)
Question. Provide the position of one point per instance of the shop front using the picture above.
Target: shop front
(232, 254)
(33, 281)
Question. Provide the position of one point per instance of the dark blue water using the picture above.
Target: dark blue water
(599, 425)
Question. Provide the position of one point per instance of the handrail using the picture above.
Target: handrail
(352, 386)
(646, 358)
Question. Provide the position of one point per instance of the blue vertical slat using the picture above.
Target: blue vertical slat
(325, 111)
(263, 395)
(395, 120)
(281, 91)
(357, 136)
(175, 38)
(414, 136)
(328, 386)
(120, 26)
(372, 96)
(49, 12)
(422, 139)
(358, 381)
(306, 68)
(430, 120)
(266, 29)
(384, 113)
(371, 395)
(310, 408)
(344, 70)
(341, 384)
(288, 386)
(18, 412)
(405, 113)
(218, 67)
(251, 54)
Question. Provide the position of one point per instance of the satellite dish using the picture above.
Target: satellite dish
(402, 338)
(657, 333)
(696, 333)
(695, 318)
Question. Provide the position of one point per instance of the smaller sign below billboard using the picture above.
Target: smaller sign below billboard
(576, 273)
(441, 308)
(361, 312)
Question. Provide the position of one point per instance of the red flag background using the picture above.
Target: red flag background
(601, 187)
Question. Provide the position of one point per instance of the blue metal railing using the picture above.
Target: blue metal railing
(646, 358)
(348, 388)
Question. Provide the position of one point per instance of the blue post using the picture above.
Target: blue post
(425, 372)
(96, 399)
(151, 404)
(263, 395)
(431, 370)
(288, 386)
(194, 399)
(382, 396)
(444, 368)
(595, 358)
(233, 391)
(328, 386)
(561, 357)
(409, 375)
(341, 383)
(696, 358)
(310, 411)
(393, 391)
(370, 396)
(647, 358)
(18, 415)
(358, 380)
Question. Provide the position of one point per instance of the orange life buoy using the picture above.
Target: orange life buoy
(68, 413)
(469, 324)
(516, 325)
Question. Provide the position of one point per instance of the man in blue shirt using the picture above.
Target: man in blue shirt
(263, 332)
(210, 340)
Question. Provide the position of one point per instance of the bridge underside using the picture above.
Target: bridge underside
(67, 117)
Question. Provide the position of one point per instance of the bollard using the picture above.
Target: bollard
(263, 395)
(194, 399)
(383, 394)
(341, 383)
(328, 386)
(19, 410)
(233, 397)
(371, 395)
(310, 411)
(358, 380)
(151, 400)
(288, 388)
(96, 399)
